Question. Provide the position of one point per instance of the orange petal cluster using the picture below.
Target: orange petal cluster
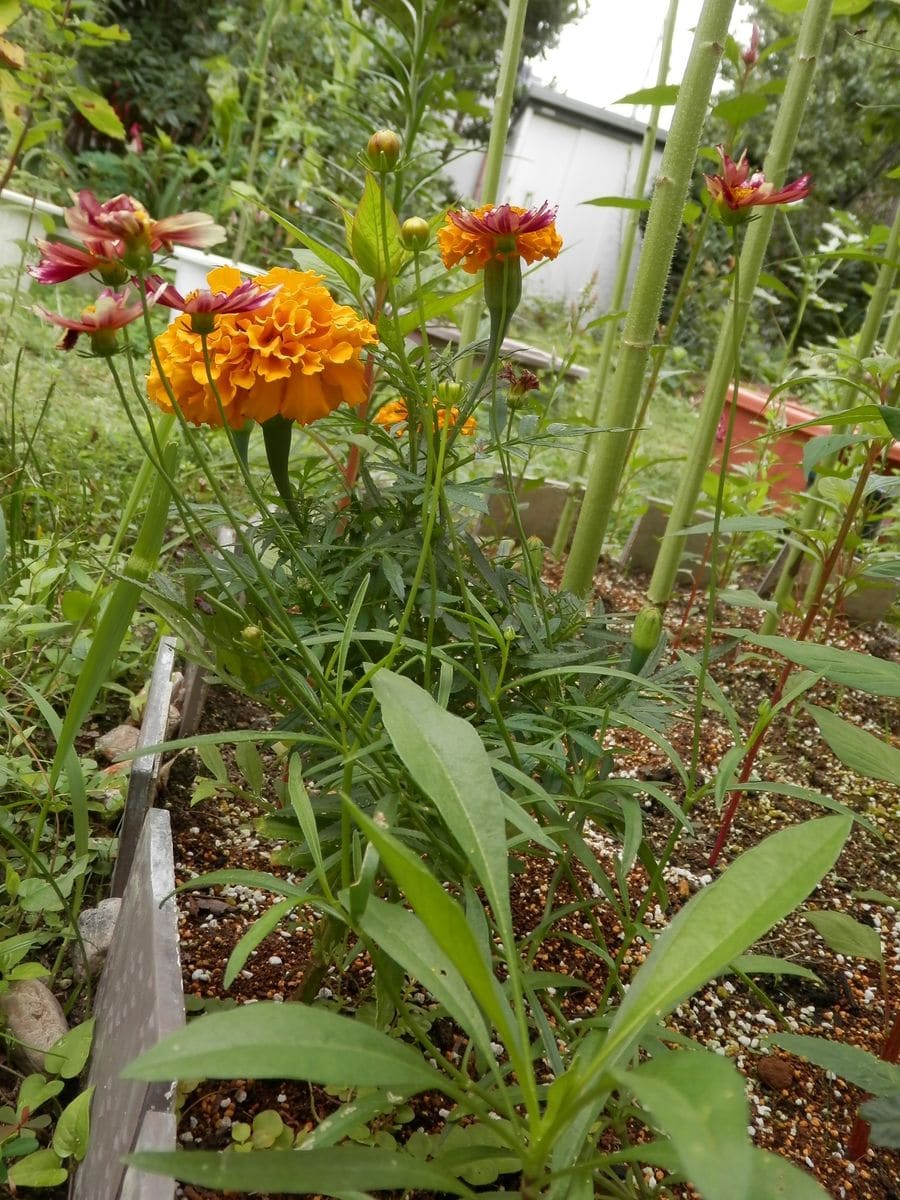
(491, 233)
(297, 357)
(395, 415)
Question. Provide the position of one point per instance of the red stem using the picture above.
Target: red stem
(809, 620)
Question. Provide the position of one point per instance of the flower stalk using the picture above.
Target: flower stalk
(664, 222)
(493, 163)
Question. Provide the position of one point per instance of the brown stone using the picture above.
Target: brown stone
(775, 1072)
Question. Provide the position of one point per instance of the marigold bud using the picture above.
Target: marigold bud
(449, 392)
(535, 548)
(384, 150)
(645, 635)
(252, 635)
(415, 233)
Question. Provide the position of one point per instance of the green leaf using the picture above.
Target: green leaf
(34, 1091)
(861, 671)
(697, 1099)
(856, 748)
(68, 1056)
(375, 234)
(721, 921)
(97, 111)
(447, 924)
(620, 202)
(878, 897)
(734, 525)
(10, 10)
(827, 444)
(737, 110)
(306, 819)
(116, 619)
(39, 1170)
(401, 934)
(883, 1115)
(774, 1178)
(70, 1137)
(767, 964)
(332, 1171)
(849, 8)
(844, 935)
(285, 1041)
(848, 1062)
(662, 95)
(891, 418)
(447, 759)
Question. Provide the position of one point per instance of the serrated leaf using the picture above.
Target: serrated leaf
(845, 935)
(856, 748)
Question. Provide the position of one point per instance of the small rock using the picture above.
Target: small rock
(34, 1018)
(96, 926)
(118, 742)
(775, 1072)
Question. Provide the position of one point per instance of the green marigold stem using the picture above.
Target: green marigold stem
(669, 196)
(784, 135)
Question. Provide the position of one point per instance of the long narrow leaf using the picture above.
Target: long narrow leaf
(116, 619)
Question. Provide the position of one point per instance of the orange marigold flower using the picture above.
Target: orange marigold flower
(395, 416)
(298, 356)
(493, 233)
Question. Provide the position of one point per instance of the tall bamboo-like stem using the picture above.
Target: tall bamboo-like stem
(784, 136)
(493, 163)
(865, 343)
(663, 225)
(620, 285)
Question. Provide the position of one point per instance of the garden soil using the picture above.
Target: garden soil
(796, 1109)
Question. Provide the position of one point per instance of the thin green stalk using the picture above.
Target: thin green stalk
(664, 222)
(713, 588)
(620, 285)
(865, 343)
(784, 136)
(493, 163)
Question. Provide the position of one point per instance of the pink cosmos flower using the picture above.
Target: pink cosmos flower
(123, 217)
(246, 297)
(736, 190)
(99, 321)
(61, 261)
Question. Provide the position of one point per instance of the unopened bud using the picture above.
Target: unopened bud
(415, 233)
(535, 549)
(449, 393)
(644, 636)
(383, 150)
(252, 635)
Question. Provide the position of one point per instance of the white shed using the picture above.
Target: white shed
(567, 152)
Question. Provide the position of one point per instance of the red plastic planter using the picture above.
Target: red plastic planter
(783, 454)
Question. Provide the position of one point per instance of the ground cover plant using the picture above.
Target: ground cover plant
(440, 714)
